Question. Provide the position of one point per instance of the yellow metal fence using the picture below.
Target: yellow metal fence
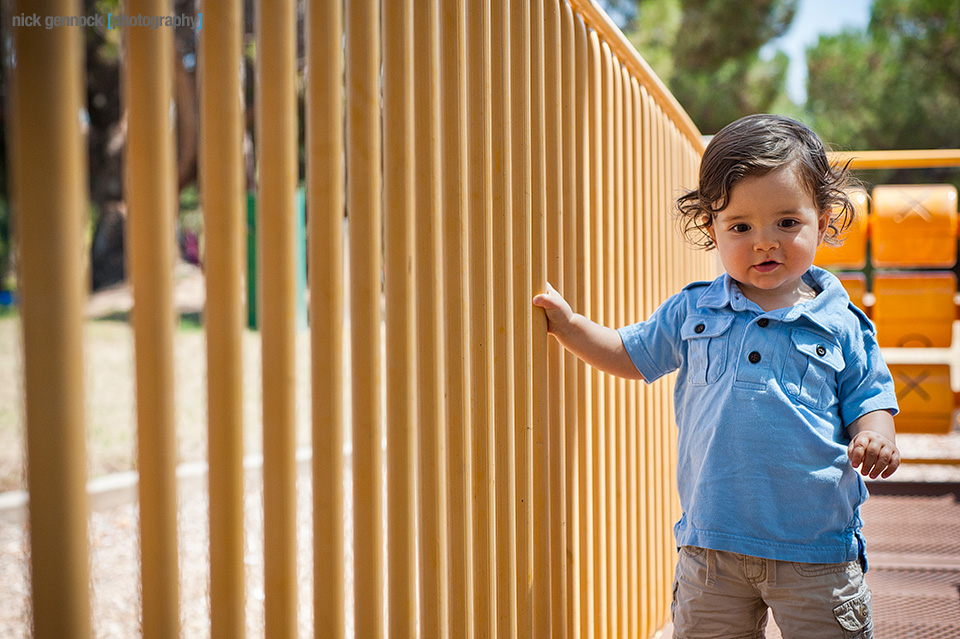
(470, 152)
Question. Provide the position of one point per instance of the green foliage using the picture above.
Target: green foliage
(717, 31)
(708, 54)
(896, 86)
(737, 87)
(190, 322)
(654, 32)
(191, 214)
(106, 41)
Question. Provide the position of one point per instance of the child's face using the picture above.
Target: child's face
(768, 235)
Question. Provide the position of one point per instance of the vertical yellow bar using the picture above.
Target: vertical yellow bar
(643, 408)
(596, 312)
(587, 60)
(325, 176)
(521, 178)
(619, 426)
(643, 304)
(540, 497)
(49, 172)
(481, 314)
(674, 257)
(661, 275)
(505, 461)
(631, 421)
(277, 146)
(363, 206)
(430, 370)
(674, 276)
(453, 144)
(400, 326)
(667, 276)
(152, 208)
(654, 424)
(608, 266)
(325, 193)
(640, 308)
(569, 43)
(651, 404)
(555, 221)
(222, 190)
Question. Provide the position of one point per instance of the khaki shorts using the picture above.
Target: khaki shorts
(719, 594)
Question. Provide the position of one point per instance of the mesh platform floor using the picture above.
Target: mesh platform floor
(913, 543)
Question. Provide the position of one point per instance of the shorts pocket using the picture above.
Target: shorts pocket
(810, 369)
(706, 339)
(855, 616)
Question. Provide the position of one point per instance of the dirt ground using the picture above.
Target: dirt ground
(111, 447)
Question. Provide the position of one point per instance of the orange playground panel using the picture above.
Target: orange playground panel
(925, 397)
(914, 226)
(914, 309)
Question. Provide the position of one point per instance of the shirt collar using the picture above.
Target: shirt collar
(724, 291)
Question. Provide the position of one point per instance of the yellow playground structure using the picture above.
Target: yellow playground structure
(912, 232)
(458, 157)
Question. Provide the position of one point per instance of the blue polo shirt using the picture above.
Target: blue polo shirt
(762, 403)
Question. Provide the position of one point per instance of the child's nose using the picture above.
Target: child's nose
(766, 242)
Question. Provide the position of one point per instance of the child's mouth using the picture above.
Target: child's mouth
(766, 267)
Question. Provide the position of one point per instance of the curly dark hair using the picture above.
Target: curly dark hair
(756, 145)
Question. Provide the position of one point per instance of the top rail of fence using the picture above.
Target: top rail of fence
(912, 159)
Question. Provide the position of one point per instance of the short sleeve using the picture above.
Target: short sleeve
(654, 345)
(865, 384)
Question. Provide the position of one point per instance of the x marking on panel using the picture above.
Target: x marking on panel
(914, 206)
(913, 384)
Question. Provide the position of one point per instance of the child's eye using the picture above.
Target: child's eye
(788, 223)
(740, 228)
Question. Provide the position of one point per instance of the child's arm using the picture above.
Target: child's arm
(597, 345)
(873, 444)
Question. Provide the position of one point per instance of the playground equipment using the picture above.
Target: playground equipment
(909, 227)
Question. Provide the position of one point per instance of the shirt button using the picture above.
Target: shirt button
(754, 357)
(762, 322)
(821, 351)
(699, 328)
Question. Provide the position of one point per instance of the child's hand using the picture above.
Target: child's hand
(876, 455)
(558, 311)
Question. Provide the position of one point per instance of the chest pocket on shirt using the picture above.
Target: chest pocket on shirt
(706, 338)
(810, 369)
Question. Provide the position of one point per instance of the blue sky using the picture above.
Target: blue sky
(815, 18)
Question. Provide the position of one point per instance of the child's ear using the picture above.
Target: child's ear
(823, 223)
(706, 225)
